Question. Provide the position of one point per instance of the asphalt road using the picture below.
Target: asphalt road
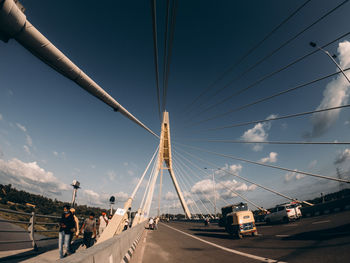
(319, 239)
(11, 252)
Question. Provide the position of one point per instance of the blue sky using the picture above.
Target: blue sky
(52, 131)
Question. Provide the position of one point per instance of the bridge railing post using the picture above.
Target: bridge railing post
(31, 229)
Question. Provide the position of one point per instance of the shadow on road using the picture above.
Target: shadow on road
(221, 236)
(323, 234)
(207, 229)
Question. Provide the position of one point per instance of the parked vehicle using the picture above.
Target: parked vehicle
(284, 213)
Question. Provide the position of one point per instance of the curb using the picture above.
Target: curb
(128, 254)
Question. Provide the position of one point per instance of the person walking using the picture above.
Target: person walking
(66, 225)
(102, 222)
(75, 231)
(156, 223)
(89, 228)
(126, 224)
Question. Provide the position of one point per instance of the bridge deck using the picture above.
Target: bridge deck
(319, 239)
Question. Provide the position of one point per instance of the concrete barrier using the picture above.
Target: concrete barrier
(110, 251)
(326, 208)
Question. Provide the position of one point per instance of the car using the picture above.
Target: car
(283, 213)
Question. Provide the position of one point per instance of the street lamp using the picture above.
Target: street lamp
(313, 44)
(213, 190)
(111, 202)
(76, 186)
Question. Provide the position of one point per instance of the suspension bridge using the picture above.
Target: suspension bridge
(321, 238)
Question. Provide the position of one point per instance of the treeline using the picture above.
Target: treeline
(23, 201)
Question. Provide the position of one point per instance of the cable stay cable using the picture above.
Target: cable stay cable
(279, 118)
(244, 198)
(276, 50)
(199, 199)
(270, 97)
(169, 51)
(155, 49)
(250, 51)
(191, 196)
(165, 45)
(267, 76)
(189, 183)
(194, 173)
(267, 165)
(143, 175)
(205, 207)
(206, 197)
(148, 184)
(15, 24)
(242, 178)
(274, 142)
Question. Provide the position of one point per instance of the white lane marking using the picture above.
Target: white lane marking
(227, 249)
(321, 222)
(282, 235)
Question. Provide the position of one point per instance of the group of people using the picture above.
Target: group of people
(69, 227)
(153, 223)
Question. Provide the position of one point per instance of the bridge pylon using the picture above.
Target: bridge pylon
(164, 163)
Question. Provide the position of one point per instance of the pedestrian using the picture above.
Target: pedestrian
(126, 224)
(156, 223)
(150, 223)
(102, 222)
(75, 230)
(89, 228)
(66, 225)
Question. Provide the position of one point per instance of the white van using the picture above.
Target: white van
(283, 213)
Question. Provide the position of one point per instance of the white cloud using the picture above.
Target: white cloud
(121, 197)
(170, 196)
(111, 175)
(312, 164)
(26, 149)
(21, 127)
(258, 133)
(272, 158)
(228, 169)
(30, 177)
(29, 140)
(342, 157)
(336, 94)
(55, 153)
(293, 176)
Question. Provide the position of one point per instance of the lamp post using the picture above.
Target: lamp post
(332, 57)
(111, 202)
(76, 186)
(214, 190)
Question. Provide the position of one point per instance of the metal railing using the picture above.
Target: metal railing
(31, 227)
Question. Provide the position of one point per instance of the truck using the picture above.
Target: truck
(238, 220)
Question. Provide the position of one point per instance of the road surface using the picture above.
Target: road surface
(319, 239)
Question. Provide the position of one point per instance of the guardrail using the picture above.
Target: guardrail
(31, 227)
(112, 250)
(327, 208)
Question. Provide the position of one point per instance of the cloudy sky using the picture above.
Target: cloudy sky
(52, 131)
